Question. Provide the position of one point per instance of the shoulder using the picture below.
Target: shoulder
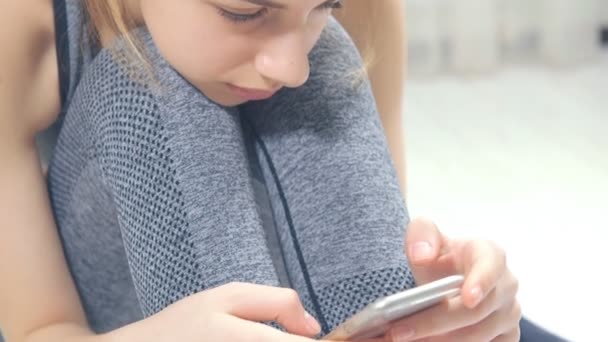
(29, 85)
(362, 14)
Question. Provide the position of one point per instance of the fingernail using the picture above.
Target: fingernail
(402, 334)
(312, 323)
(477, 295)
(422, 251)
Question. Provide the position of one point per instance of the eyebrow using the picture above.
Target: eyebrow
(267, 3)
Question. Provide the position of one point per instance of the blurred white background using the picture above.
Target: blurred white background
(507, 133)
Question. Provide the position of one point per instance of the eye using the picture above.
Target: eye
(241, 17)
(246, 17)
(334, 4)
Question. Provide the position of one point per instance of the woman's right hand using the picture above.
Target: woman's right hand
(227, 313)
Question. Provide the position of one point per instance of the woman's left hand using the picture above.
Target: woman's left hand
(487, 309)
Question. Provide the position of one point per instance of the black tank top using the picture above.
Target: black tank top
(75, 47)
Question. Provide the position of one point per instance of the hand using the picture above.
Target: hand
(487, 309)
(226, 313)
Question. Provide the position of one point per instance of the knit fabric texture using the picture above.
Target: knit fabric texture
(159, 192)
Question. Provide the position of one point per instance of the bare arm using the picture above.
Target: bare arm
(36, 290)
(378, 28)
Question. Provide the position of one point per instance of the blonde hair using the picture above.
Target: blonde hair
(111, 17)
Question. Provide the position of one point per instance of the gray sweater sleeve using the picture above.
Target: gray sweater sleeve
(176, 167)
(165, 171)
(338, 207)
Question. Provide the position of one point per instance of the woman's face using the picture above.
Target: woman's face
(235, 51)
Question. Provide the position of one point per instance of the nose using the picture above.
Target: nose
(284, 60)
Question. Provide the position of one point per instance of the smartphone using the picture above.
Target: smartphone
(374, 320)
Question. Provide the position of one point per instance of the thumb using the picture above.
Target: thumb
(261, 303)
(423, 245)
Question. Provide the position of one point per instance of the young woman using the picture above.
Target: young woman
(214, 153)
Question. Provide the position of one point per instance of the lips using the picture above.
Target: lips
(251, 94)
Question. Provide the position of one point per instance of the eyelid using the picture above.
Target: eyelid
(241, 17)
(242, 11)
(237, 17)
(335, 4)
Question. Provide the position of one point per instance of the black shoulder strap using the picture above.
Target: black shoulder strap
(63, 47)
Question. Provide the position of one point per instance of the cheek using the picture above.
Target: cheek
(208, 56)
(197, 44)
(315, 30)
(204, 57)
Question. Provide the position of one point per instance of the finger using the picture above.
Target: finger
(248, 331)
(485, 330)
(503, 321)
(423, 245)
(511, 320)
(445, 317)
(483, 263)
(512, 336)
(265, 303)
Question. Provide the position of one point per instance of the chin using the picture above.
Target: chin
(225, 101)
(232, 103)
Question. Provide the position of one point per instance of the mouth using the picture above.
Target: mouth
(252, 94)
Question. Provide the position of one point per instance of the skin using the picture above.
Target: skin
(36, 275)
(265, 53)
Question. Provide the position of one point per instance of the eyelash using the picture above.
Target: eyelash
(241, 18)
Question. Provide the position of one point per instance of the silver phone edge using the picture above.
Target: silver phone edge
(375, 311)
